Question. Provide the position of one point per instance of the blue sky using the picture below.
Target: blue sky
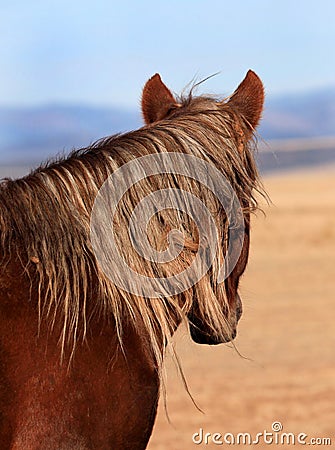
(102, 52)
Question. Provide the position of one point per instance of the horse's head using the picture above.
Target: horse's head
(241, 113)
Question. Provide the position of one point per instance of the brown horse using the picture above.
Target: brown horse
(81, 341)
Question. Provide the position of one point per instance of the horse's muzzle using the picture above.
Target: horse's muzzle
(200, 334)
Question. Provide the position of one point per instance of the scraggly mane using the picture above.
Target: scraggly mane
(45, 220)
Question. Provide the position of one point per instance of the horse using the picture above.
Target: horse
(81, 349)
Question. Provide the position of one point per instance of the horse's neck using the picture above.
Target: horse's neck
(88, 402)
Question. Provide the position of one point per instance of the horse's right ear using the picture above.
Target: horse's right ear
(248, 99)
(157, 100)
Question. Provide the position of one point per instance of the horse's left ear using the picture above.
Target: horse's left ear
(157, 100)
(248, 99)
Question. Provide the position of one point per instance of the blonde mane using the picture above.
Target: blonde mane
(45, 221)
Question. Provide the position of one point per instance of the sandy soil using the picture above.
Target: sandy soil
(287, 331)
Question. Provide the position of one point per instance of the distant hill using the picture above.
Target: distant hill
(34, 134)
(300, 115)
(31, 135)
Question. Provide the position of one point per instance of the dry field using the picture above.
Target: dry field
(286, 333)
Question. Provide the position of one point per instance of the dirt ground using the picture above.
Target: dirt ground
(286, 334)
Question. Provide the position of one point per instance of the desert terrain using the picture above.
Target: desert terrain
(284, 370)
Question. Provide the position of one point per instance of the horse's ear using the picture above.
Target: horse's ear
(248, 99)
(157, 100)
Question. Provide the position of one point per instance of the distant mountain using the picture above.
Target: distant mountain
(34, 134)
(300, 115)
